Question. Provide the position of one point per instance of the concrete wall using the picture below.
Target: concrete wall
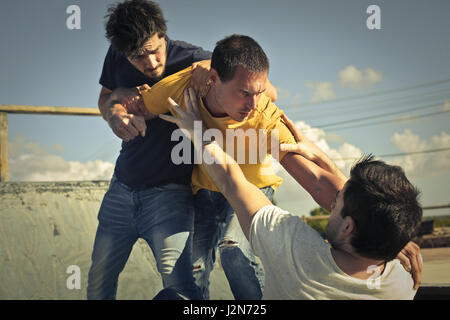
(46, 227)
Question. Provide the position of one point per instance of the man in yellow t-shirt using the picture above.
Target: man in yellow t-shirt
(234, 103)
(249, 124)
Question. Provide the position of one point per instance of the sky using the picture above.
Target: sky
(351, 88)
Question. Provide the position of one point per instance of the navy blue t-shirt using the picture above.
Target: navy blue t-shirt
(145, 162)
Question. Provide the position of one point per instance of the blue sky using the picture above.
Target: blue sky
(322, 56)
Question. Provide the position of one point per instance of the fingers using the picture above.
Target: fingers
(192, 106)
(404, 260)
(175, 108)
(288, 147)
(136, 106)
(144, 87)
(200, 79)
(291, 126)
(124, 130)
(411, 260)
(138, 122)
(168, 118)
(187, 100)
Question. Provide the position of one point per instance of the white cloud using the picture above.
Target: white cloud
(425, 164)
(287, 97)
(290, 195)
(323, 91)
(353, 78)
(446, 106)
(28, 161)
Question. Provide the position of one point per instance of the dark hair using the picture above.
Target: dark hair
(131, 23)
(384, 206)
(238, 50)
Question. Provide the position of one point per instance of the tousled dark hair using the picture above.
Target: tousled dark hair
(131, 23)
(385, 208)
(238, 50)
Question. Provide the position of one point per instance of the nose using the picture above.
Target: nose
(151, 62)
(252, 101)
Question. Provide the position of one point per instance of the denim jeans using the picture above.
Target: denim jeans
(217, 226)
(164, 217)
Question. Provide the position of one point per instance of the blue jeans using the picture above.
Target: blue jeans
(164, 217)
(216, 225)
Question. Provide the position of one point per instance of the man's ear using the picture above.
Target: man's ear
(214, 78)
(348, 226)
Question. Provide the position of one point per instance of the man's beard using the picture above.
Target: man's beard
(153, 77)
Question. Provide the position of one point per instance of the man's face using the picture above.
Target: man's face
(240, 95)
(151, 58)
(335, 221)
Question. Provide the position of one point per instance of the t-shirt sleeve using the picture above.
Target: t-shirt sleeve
(107, 76)
(155, 99)
(274, 231)
(271, 232)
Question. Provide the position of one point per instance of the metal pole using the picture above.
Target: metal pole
(4, 172)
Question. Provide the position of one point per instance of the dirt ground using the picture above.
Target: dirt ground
(436, 265)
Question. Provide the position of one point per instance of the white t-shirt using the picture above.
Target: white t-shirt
(298, 264)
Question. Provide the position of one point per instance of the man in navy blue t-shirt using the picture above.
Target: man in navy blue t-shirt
(149, 196)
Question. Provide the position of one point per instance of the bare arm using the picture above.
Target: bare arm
(322, 187)
(120, 109)
(321, 184)
(309, 150)
(244, 197)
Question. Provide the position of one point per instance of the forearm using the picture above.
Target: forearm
(321, 184)
(324, 162)
(244, 197)
(224, 170)
(105, 103)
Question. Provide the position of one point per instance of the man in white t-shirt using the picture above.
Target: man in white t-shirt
(373, 217)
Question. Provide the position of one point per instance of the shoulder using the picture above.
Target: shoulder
(181, 53)
(179, 79)
(277, 236)
(398, 282)
(181, 45)
(272, 223)
(115, 57)
(172, 86)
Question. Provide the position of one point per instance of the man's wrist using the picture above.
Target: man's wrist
(114, 106)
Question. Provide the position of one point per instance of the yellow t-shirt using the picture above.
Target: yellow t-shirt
(245, 137)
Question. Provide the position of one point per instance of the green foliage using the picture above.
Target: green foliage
(440, 221)
(319, 211)
(318, 225)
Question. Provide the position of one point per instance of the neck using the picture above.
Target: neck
(355, 265)
(213, 106)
